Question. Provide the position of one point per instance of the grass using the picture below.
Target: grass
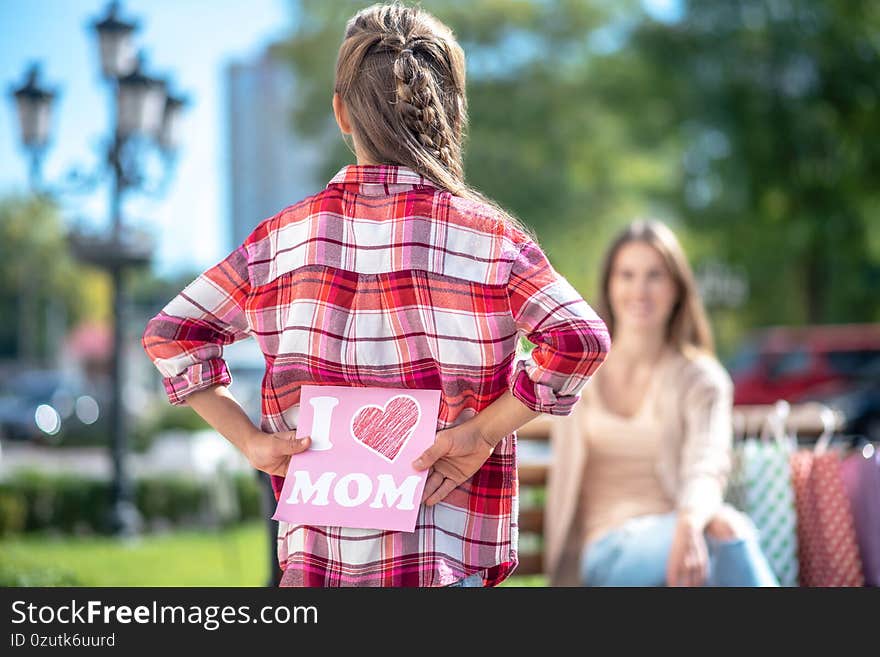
(234, 557)
(526, 580)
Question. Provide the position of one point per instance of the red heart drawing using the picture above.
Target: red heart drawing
(386, 430)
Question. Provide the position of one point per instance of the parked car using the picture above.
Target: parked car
(859, 402)
(798, 363)
(46, 405)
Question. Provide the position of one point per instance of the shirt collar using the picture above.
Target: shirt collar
(379, 179)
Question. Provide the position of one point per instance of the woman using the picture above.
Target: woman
(646, 509)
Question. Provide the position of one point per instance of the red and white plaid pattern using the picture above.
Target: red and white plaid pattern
(827, 549)
(382, 279)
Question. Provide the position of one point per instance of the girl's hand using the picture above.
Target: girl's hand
(271, 452)
(456, 454)
(688, 557)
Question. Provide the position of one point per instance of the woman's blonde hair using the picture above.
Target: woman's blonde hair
(401, 76)
(688, 328)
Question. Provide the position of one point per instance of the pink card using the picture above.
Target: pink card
(358, 471)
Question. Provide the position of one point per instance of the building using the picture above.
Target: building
(269, 165)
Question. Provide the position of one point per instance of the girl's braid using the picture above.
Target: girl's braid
(420, 107)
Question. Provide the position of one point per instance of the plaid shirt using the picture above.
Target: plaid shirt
(383, 279)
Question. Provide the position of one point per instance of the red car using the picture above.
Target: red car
(801, 363)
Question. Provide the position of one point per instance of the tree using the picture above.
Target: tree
(778, 107)
(43, 291)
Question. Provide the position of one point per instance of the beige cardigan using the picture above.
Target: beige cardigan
(695, 397)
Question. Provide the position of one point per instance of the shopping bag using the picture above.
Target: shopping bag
(861, 478)
(760, 487)
(828, 552)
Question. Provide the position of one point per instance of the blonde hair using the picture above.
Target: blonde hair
(401, 76)
(688, 328)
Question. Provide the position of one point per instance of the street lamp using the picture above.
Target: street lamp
(116, 43)
(169, 132)
(145, 118)
(140, 102)
(34, 105)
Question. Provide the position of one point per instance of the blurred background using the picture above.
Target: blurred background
(142, 142)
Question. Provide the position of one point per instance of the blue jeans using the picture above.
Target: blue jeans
(471, 581)
(635, 554)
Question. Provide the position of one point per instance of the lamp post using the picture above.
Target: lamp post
(34, 105)
(144, 119)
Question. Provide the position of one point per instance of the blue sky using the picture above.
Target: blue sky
(188, 41)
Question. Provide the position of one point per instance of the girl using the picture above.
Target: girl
(396, 275)
(645, 509)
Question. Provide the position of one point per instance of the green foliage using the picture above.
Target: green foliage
(66, 503)
(37, 272)
(248, 496)
(32, 502)
(776, 106)
(173, 499)
(13, 513)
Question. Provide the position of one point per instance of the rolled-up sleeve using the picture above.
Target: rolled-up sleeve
(185, 340)
(571, 340)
